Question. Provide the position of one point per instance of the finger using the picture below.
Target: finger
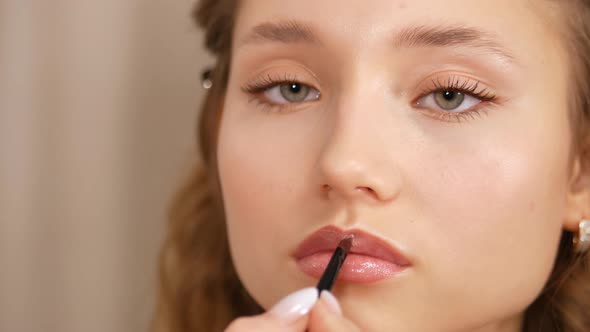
(267, 323)
(290, 314)
(326, 316)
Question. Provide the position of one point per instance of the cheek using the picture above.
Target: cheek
(260, 165)
(248, 209)
(496, 216)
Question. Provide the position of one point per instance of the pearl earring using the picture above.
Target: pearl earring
(582, 237)
(206, 81)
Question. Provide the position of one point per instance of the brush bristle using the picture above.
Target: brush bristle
(346, 243)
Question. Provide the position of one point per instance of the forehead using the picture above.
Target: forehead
(518, 25)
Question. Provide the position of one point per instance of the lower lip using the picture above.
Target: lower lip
(357, 268)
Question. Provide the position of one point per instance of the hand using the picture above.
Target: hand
(298, 312)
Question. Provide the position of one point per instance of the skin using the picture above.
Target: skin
(477, 205)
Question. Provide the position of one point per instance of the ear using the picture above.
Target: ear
(578, 195)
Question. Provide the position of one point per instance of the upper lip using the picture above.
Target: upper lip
(326, 239)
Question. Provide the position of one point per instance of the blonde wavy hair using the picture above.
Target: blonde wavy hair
(199, 289)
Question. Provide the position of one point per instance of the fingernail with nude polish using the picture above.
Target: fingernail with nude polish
(295, 305)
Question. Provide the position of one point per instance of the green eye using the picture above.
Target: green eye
(294, 92)
(291, 93)
(449, 100)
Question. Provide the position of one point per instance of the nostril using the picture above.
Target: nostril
(368, 191)
(326, 189)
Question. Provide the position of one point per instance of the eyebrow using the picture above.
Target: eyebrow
(286, 32)
(447, 36)
(292, 32)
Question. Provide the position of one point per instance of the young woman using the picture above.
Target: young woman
(449, 137)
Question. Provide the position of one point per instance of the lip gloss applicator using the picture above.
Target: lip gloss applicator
(331, 272)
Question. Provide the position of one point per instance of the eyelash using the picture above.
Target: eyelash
(453, 83)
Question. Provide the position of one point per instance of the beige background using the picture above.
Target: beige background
(97, 109)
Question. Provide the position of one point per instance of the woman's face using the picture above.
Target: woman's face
(439, 127)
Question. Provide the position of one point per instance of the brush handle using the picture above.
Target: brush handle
(329, 276)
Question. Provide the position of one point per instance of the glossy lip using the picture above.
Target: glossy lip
(380, 258)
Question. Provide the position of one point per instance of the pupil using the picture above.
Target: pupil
(295, 88)
(449, 95)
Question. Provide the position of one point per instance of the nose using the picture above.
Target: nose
(357, 162)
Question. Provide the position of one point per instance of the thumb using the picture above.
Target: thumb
(290, 314)
(327, 316)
